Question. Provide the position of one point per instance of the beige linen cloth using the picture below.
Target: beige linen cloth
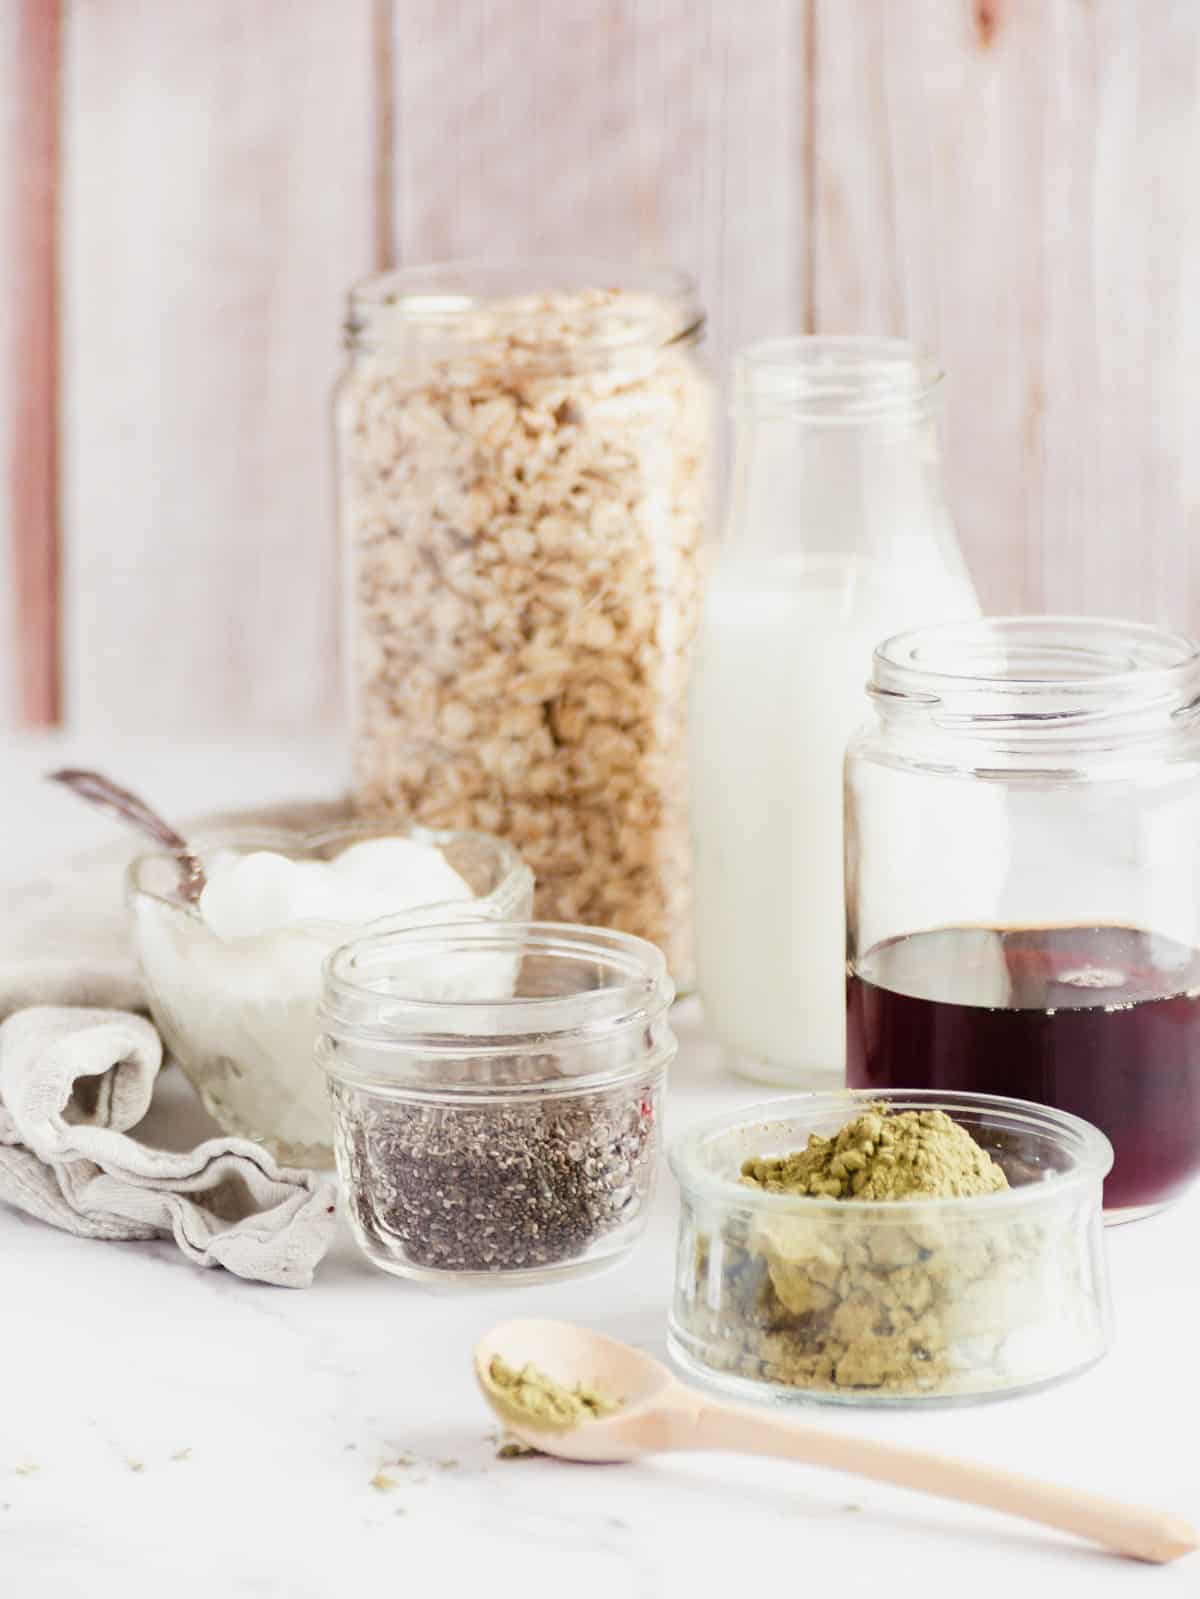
(78, 1067)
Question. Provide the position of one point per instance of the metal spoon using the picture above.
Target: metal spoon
(659, 1415)
(109, 796)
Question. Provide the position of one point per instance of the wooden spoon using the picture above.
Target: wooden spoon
(658, 1415)
(120, 802)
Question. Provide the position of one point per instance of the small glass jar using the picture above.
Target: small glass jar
(524, 475)
(240, 1014)
(897, 1302)
(1023, 880)
(496, 1092)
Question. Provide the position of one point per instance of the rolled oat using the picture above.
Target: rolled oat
(524, 501)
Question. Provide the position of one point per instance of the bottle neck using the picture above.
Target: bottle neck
(837, 456)
(869, 490)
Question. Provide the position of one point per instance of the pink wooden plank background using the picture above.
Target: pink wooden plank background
(1013, 181)
(32, 39)
(9, 215)
(1021, 191)
(218, 196)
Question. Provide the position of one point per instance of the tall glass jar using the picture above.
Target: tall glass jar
(524, 470)
(1023, 880)
(838, 534)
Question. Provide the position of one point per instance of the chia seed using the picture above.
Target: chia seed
(496, 1187)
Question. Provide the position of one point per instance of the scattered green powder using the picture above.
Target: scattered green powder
(528, 1398)
(515, 1450)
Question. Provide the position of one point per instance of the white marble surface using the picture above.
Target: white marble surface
(165, 1430)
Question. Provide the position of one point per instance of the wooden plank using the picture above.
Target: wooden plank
(1015, 184)
(383, 135)
(30, 50)
(930, 129)
(1122, 325)
(758, 132)
(642, 129)
(518, 132)
(219, 161)
(9, 38)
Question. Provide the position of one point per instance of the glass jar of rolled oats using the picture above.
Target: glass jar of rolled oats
(524, 477)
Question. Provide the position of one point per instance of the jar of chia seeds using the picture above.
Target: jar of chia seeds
(496, 1094)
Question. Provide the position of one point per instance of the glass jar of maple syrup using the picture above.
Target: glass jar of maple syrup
(1023, 880)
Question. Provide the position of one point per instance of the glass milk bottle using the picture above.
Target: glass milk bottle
(838, 535)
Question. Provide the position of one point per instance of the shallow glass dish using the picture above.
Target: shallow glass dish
(240, 1014)
(912, 1302)
(496, 1090)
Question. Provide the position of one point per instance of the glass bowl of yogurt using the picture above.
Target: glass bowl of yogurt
(233, 982)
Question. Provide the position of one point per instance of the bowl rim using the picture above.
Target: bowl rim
(1091, 1149)
(517, 876)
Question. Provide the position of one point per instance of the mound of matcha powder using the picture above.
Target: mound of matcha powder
(531, 1399)
(919, 1154)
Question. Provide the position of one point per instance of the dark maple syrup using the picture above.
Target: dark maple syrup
(1100, 1021)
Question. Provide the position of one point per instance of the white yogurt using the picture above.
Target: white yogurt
(261, 892)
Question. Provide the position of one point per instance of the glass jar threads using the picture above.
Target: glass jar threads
(524, 464)
(1023, 881)
(496, 1095)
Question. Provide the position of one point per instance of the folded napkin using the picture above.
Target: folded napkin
(73, 1082)
(77, 1073)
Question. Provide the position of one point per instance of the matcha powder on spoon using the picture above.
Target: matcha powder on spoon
(531, 1399)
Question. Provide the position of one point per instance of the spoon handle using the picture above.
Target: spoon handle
(106, 795)
(1136, 1530)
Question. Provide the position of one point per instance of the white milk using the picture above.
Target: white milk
(779, 681)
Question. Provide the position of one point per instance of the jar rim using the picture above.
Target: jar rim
(635, 306)
(837, 379)
(1091, 1151)
(1049, 677)
(364, 972)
